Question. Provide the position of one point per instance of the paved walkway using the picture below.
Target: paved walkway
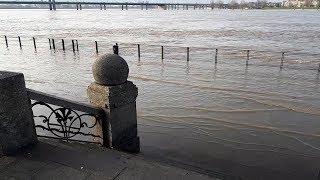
(50, 160)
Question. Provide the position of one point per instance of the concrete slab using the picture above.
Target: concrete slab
(54, 171)
(139, 169)
(56, 160)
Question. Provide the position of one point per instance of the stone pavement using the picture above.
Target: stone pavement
(51, 159)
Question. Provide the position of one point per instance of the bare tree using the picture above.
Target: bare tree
(212, 4)
(307, 3)
(261, 4)
(234, 4)
(220, 4)
(243, 4)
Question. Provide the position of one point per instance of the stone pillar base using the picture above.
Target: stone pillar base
(17, 129)
(120, 104)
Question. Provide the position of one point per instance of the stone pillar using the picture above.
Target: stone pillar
(113, 92)
(17, 129)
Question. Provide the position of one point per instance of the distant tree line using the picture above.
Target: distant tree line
(235, 4)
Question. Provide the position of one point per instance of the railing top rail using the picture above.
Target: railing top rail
(54, 100)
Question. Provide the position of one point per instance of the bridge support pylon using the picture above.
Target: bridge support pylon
(54, 5)
(50, 5)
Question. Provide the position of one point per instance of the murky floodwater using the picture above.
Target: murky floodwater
(222, 117)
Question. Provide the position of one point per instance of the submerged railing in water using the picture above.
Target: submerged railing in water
(281, 59)
(67, 120)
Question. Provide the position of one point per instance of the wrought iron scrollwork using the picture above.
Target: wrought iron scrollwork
(65, 123)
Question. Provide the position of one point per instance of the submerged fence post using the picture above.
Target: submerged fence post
(247, 62)
(50, 43)
(63, 47)
(162, 54)
(139, 56)
(19, 39)
(72, 42)
(34, 43)
(77, 45)
(282, 58)
(116, 49)
(97, 51)
(53, 45)
(188, 54)
(216, 57)
(6, 40)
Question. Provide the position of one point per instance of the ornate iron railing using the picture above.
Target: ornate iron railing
(67, 120)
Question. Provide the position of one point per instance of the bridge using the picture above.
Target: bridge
(52, 4)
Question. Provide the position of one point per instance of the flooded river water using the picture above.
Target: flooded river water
(255, 122)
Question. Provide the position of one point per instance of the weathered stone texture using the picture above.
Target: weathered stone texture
(120, 102)
(110, 69)
(16, 120)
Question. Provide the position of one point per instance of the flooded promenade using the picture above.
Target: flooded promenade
(225, 117)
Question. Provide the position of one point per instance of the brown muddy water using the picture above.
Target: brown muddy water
(255, 122)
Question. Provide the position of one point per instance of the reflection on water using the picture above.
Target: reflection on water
(222, 117)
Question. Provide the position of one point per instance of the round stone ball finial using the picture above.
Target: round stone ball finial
(110, 69)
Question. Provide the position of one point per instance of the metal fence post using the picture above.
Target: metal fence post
(63, 47)
(116, 49)
(77, 45)
(97, 51)
(282, 58)
(162, 53)
(34, 43)
(72, 42)
(53, 45)
(247, 62)
(19, 39)
(216, 57)
(188, 53)
(49, 43)
(6, 40)
(139, 55)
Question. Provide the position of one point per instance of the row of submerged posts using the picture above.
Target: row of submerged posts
(75, 47)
